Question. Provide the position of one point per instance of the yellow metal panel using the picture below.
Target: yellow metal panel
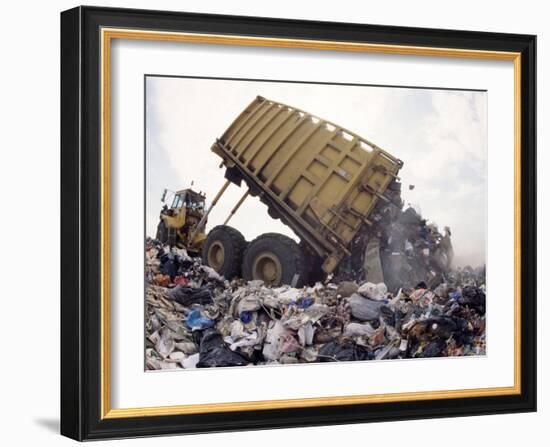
(324, 179)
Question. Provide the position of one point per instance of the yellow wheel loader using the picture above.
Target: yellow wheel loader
(179, 222)
(182, 225)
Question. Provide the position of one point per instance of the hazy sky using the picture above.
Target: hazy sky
(440, 135)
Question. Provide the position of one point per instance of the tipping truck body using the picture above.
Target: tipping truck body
(320, 179)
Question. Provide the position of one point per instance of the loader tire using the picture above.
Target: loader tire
(276, 260)
(162, 232)
(223, 251)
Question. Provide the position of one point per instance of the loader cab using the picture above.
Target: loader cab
(188, 199)
(181, 213)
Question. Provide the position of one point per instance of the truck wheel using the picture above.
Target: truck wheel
(223, 251)
(276, 260)
(162, 232)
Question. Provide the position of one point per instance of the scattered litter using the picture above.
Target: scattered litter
(343, 351)
(191, 361)
(364, 309)
(189, 295)
(346, 288)
(372, 291)
(214, 352)
(195, 318)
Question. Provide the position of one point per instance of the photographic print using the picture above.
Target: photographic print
(254, 201)
(291, 223)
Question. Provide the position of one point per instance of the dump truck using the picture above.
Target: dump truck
(320, 179)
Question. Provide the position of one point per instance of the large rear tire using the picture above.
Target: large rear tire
(223, 251)
(276, 260)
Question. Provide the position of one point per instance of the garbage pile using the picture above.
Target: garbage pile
(399, 247)
(197, 319)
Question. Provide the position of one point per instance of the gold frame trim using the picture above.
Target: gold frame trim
(107, 35)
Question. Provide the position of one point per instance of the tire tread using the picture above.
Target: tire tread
(237, 241)
(291, 249)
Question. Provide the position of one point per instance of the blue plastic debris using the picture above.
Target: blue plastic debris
(455, 296)
(246, 316)
(196, 320)
(304, 302)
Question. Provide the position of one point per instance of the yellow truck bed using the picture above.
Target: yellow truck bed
(321, 179)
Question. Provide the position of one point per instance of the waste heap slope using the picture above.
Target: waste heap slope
(196, 318)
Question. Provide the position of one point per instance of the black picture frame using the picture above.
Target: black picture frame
(81, 223)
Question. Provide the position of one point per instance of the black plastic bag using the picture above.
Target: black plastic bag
(346, 351)
(474, 298)
(187, 296)
(214, 353)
